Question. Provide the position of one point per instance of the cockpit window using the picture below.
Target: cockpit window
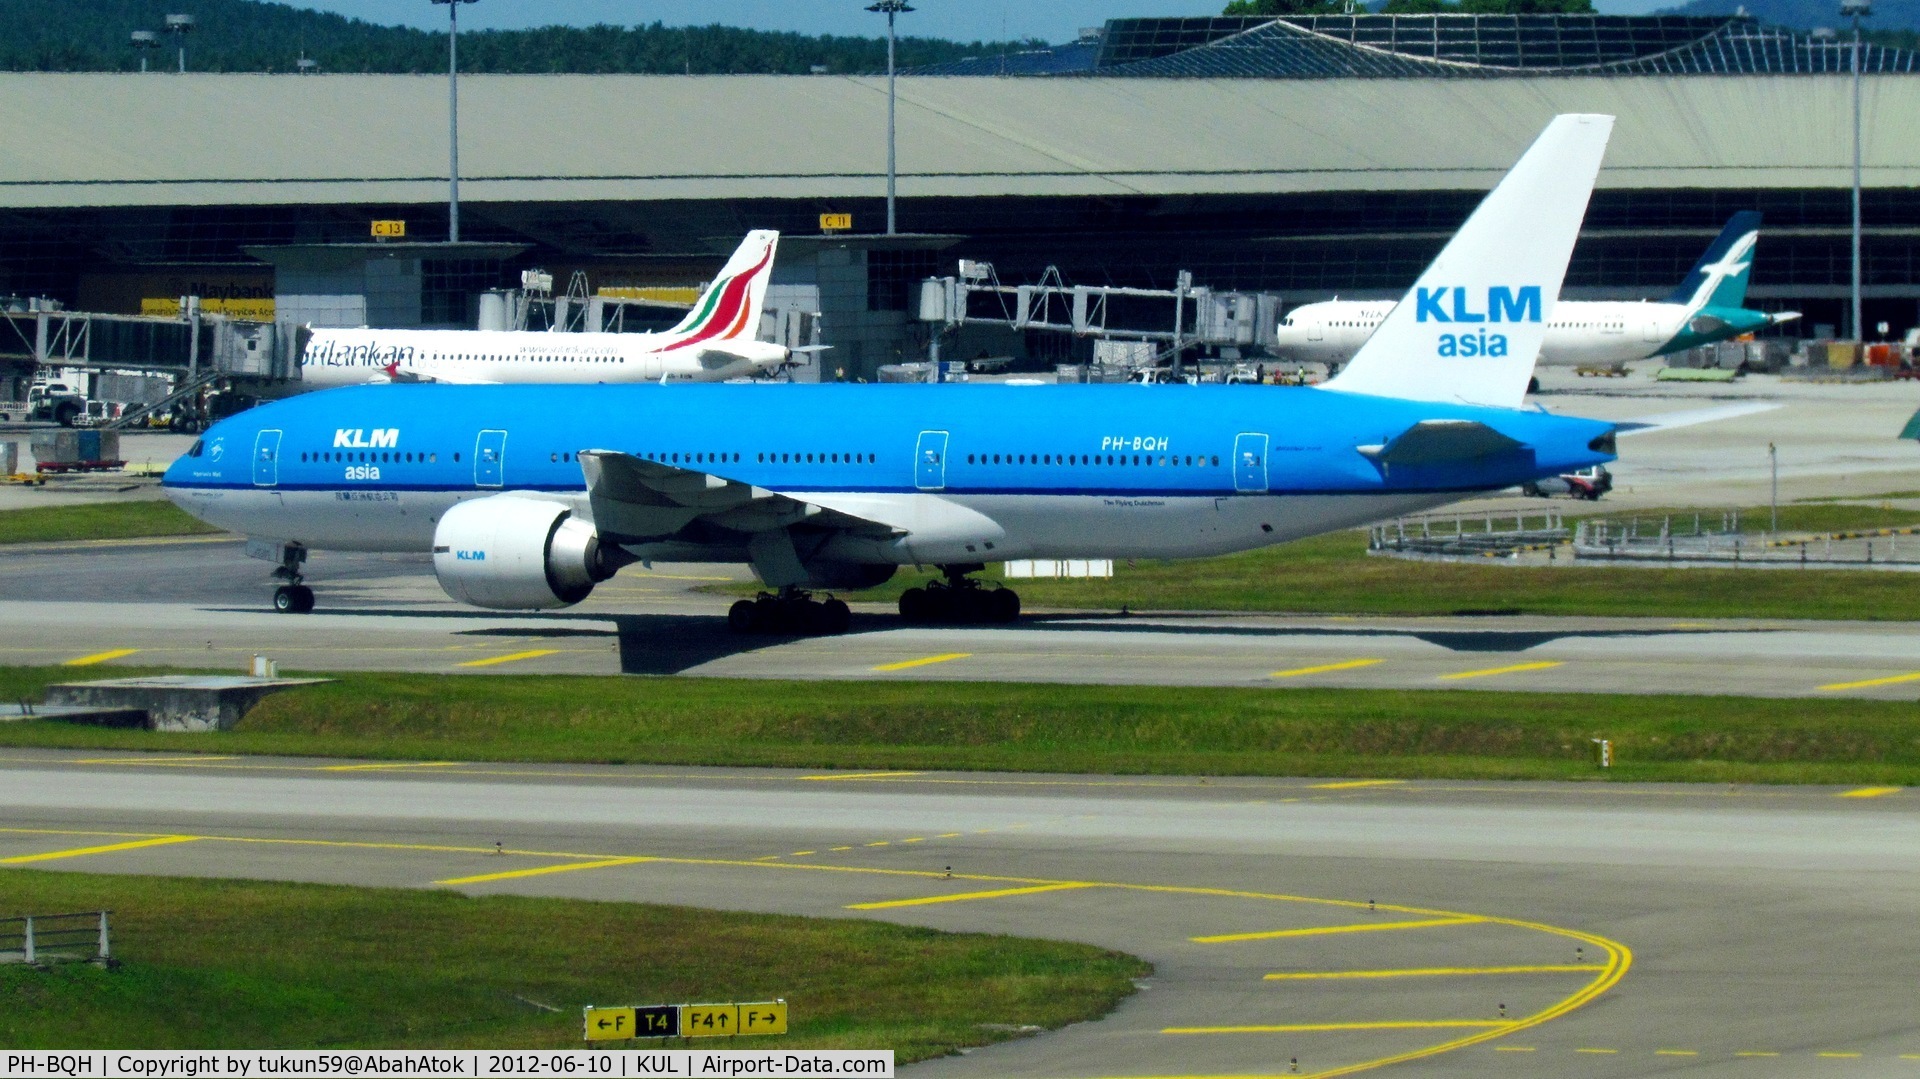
(194, 450)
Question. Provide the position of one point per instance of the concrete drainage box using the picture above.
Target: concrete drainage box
(173, 702)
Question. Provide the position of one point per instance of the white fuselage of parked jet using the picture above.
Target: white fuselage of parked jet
(475, 357)
(1580, 333)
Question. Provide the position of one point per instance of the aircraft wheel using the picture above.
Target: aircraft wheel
(283, 599)
(1005, 604)
(835, 617)
(915, 606)
(293, 599)
(741, 617)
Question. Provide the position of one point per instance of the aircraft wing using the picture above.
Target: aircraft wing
(1440, 441)
(636, 500)
(395, 373)
(1688, 417)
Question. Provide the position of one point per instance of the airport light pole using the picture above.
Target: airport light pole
(892, 8)
(180, 26)
(453, 117)
(1857, 9)
(145, 41)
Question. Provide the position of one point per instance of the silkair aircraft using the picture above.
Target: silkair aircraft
(716, 341)
(1707, 307)
(528, 496)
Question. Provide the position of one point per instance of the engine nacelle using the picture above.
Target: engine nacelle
(518, 554)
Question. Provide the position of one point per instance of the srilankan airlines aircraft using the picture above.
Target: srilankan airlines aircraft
(529, 496)
(1707, 307)
(716, 341)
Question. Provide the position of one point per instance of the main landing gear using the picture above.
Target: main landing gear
(791, 612)
(292, 597)
(959, 598)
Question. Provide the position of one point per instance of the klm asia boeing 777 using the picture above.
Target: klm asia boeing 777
(528, 496)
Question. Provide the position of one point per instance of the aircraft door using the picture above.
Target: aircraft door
(1317, 330)
(266, 459)
(1250, 463)
(490, 459)
(1650, 331)
(930, 461)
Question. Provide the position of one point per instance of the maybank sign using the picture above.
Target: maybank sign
(1463, 306)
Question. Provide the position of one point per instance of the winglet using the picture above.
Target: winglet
(1470, 329)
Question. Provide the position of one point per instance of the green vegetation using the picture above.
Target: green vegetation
(211, 964)
(1047, 728)
(103, 520)
(247, 35)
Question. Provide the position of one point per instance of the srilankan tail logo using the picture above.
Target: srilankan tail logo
(1458, 306)
(723, 312)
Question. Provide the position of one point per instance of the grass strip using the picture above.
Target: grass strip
(101, 520)
(234, 964)
(1160, 730)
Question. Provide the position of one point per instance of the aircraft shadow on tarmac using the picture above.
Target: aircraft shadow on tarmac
(660, 644)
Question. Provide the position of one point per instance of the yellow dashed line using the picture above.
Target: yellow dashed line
(923, 662)
(1356, 784)
(1514, 1049)
(949, 835)
(1301, 1028)
(1896, 679)
(1869, 792)
(969, 896)
(1755, 1054)
(100, 657)
(1841, 1056)
(512, 657)
(1430, 972)
(1675, 1053)
(1603, 1052)
(1349, 665)
(882, 843)
(840, 848)
(1363, 927)
(81, 852)
(544, 870)
(863, 775)
(915, 839)
(1491, 671)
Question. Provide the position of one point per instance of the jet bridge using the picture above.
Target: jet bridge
(1167, 322)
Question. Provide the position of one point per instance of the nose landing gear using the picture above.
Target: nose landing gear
(292, 597)
(959, 599)
(793, 611)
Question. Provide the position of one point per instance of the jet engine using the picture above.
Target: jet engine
(519, 554)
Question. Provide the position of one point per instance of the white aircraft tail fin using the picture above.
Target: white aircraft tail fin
(1470, 329)
(730, 307)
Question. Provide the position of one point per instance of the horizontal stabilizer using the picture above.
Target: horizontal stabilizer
(1439, 442)
(1778, 317)
(1689, 417)
(1912, 429)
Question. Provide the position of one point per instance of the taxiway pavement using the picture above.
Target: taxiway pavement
(1481, 929)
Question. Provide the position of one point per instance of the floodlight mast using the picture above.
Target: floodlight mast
(1857, 10)
(145, 41)
(180, 26)
(890, 8)
(453, 117)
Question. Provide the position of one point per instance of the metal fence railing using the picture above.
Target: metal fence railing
(1482, 535)
(38, 939)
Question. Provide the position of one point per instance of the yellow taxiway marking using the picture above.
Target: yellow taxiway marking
(1301, 1028)
(1750, 1053)
(949, 835)
(78, 852)
(544, 870)
(839, 848)
(1676, 1053)
(1491, 671)
(802, 853)
(511, 657)
(862, 775)
(1841, 1056)
(1515, 1049)
(924, 661)
(1348, 665)
(1869, 792)
(1363, 927)
(1429, 972)
(100, 657)
(1603, 1052)
(1356, 784)
(881, 843)
(1895, 680)
(968, 896)
(391, 766)
(1607, 973)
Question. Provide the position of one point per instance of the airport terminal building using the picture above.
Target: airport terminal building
(1309, 157)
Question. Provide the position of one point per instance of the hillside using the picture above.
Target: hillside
(251, 35)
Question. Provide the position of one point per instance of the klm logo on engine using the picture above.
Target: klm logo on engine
(356, 438)
(1458, 306)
